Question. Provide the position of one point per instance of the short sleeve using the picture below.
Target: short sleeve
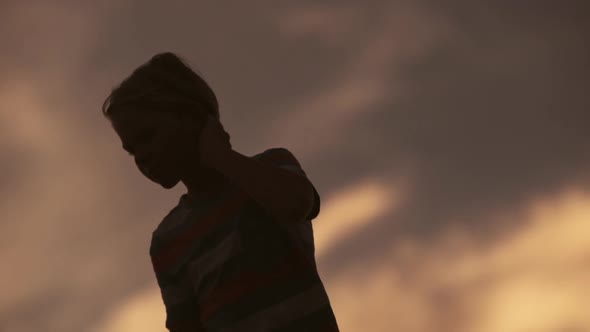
(283, 158)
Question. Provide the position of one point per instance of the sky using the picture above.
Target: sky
(449, 143)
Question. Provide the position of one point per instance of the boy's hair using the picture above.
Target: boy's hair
(163, 81)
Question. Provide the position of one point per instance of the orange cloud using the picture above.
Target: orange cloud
(534, 280)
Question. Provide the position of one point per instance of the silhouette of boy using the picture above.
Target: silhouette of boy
(237, 252)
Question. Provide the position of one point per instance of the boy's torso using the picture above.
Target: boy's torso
(246, 271)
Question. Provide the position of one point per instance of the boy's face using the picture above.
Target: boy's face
(161, 142)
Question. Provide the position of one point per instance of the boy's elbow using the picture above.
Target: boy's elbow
(305, 203)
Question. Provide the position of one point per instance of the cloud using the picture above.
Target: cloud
(143, 311)
(318, 122)
(328, 24)
(535, 280)
(479, 108)
(348, 210)
(491, 118)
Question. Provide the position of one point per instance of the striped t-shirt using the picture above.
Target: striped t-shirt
(223, 264)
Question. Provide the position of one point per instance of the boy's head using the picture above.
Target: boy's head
(157, 113)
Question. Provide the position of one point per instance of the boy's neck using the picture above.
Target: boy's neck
(207, 183)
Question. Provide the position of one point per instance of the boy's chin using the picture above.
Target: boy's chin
(168, 184)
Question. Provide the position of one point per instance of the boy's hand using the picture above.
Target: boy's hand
(213, 143)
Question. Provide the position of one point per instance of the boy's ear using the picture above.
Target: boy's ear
(185, 126)
(195, 124)
(188, 121)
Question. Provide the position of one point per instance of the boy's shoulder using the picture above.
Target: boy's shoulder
(180, 213)
(172, 219)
